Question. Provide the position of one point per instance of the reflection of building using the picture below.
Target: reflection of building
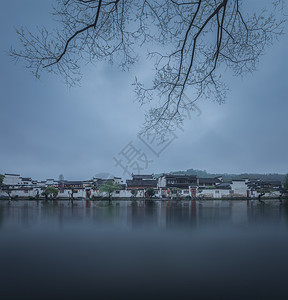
(181, 214)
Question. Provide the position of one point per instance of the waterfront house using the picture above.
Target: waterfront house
(239, 187)
(203, 182)
(270, 188)
(26, 181)
(12, 179)
(174, 185)
(222, 190)
(141, 183)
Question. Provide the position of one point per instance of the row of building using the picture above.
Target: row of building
(163, 186)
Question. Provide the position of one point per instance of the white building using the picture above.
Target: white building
(214, 193)
(12, 179)
(51, 182)
(26, 181)
(239, 187)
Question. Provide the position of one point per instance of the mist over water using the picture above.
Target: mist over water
(143, 249)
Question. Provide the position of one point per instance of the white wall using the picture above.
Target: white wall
(214, 193)
(162, 182)
(12, 179)
(239, 188)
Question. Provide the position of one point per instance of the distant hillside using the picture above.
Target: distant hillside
(228, 177)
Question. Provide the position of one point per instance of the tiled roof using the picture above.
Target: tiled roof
(179, 176)
(224, 186)
(12, 174)
(209, 180)
(141, 183)
(143, 177)
(26, 179)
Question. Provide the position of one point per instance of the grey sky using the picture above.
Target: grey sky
(48, 129)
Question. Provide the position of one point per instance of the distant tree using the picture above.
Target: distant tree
(133, 193)
(61, 177)
(71, 194)
(286, 182)
(150, 192)
(109, 188)
(37, 195)
(73, 191)
(50, 191)
(8, 192)
(261, 193)
(190, 43)
(94, 185)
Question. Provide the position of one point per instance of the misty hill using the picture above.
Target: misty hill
(228, 177)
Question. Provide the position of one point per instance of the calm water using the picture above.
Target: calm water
(144, 250)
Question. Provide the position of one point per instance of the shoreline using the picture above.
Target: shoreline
(144, 199)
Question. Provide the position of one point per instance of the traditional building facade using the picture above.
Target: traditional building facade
(171, 186)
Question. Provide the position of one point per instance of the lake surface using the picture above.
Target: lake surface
(144, 250)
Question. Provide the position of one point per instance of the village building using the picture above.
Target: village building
(219, 191)
(51, 182)
(169, 186)
(141, 183)
(239, 187)
(267, 188)
(174, 185)
(12, 179)
(26, 181)
(204, 182)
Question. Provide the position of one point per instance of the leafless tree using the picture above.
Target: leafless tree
(195, 41)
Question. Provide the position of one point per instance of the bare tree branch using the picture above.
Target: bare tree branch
(189, 41)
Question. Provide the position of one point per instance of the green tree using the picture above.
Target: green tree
(192, 43)
(1, 182)
(73, 191)
(150, 192)
(133, 193)
(109, 188)
(50, 191)
(286, 182)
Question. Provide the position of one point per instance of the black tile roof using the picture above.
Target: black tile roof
(143, 177)
(179, 176)
(11, 174)
(209, 180)
(224, 186)
(141, 183)
(26, 179)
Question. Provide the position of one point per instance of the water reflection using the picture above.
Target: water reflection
(142, 214)
(150, 249)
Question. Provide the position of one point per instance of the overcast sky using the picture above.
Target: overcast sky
(48, 129)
